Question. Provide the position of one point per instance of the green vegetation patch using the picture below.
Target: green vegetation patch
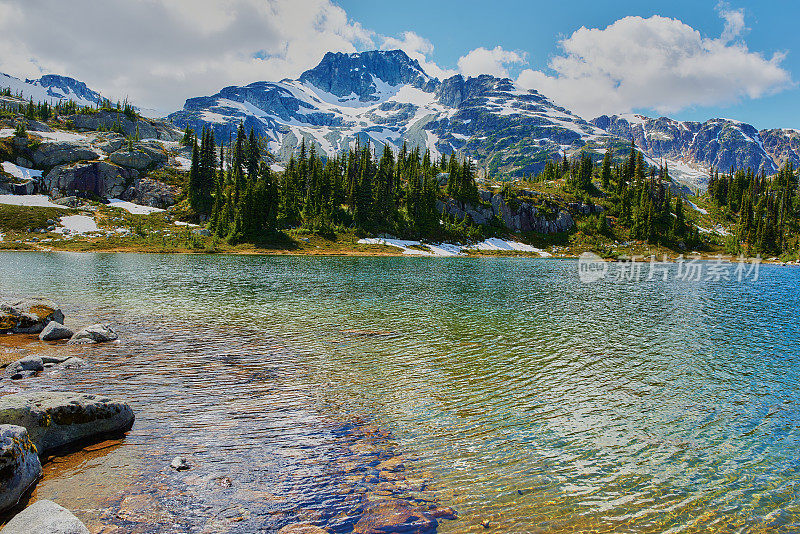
(23, 218)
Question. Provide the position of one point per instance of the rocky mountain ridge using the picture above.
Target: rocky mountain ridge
(385, 97)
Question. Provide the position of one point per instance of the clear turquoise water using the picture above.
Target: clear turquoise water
(528, 398)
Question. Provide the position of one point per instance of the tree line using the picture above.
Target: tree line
(243, 199)
(765, 210)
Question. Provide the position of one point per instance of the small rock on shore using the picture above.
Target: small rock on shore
(45, 517)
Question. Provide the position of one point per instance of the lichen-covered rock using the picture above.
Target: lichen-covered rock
(19, 465)
(96, 333)
(141, 156)
(55, 331)
(55, 419)
(49, 155)
(45, 517)
(394, 516)
(29, 315)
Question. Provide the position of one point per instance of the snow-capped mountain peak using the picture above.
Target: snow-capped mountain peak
(385, 97)
(51, 88)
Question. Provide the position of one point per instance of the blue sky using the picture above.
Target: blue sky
(691, 60)
(456, 27)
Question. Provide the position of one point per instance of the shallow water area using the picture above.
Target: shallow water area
(513, 393)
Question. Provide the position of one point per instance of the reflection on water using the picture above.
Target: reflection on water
(526, 398)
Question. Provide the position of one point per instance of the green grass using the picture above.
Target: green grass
(22, 218)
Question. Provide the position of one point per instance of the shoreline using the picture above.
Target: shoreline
(622, 258)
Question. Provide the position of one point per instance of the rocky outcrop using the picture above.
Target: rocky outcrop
(48, 155)
(55, 420)
(96, 333)
(394, 515)
(29, 315)
(20, 467)
(121, 123)
(517, 215)
(45, 517)
(55, 331)
(149, 192)
(99, 178)
(143, 156)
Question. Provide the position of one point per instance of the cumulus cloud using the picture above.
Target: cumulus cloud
(494, 62)
(656, 63)
(158, 52)
(418, 48)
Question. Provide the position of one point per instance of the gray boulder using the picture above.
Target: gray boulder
(36, 126)
(19, 465)
(100, 178)
(28, 316)
(28, 363)
(55, 331)
(60, 152)
(145, 155)
(96, 333)
(55, 420)
(45, 517)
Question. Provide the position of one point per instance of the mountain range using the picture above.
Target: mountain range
(385, 97)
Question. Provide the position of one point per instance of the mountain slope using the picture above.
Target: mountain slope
(694, 146)
(51, 88)
(384, 97)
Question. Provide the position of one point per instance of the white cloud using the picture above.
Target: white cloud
(734, 22)
(494, 62)
(159, 52)
(655, 63)
(418, 48)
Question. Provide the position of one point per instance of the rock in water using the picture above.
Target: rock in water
(45, 517)
(388, 516)
(56, 420)
(96, 333)
(55, 331)
(28, 316)
(19, 465)
(28, 363)
(179, 463)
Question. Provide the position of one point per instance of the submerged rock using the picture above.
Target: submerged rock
(19, 465)
(302, 528)
(96, 333)
(389, 516)
(56, 420)
(55, 331)
(29, 315)
(179, 463)
(45, 517)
